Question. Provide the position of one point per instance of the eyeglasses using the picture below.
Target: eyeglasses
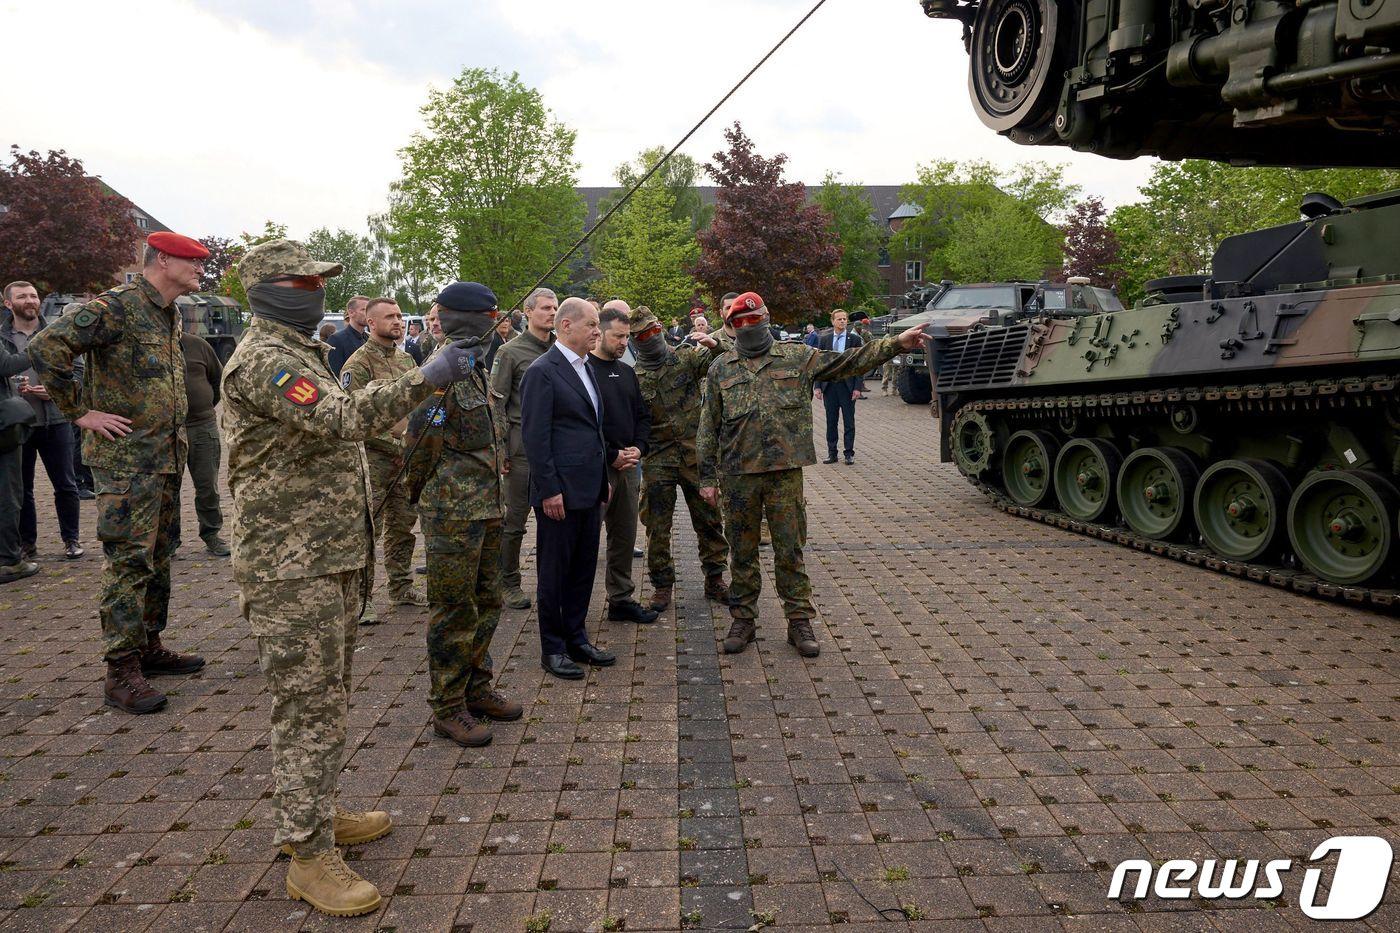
(307, 283)
(650, 332)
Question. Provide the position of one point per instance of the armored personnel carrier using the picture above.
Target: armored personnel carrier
(1246, 420)
(217, 319)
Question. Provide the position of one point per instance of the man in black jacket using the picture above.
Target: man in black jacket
(626, 429)
(840, 396)
(561, 421)
(353, 335)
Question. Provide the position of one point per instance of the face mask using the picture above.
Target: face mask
(457, 325)
(754, 340)
(297, 308)
(652, 352)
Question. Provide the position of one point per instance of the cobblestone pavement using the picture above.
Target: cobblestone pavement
(1001, 712)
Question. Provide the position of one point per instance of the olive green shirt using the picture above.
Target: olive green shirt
(374, 361)
(508, 369)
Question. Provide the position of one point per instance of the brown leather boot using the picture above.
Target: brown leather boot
(326, 883)
(354, 827)
(495, 706)
(157, 659)
(127, 688)
(801, 637)
(464, 729)
(717, 589)
(660, 599)
(741, 632)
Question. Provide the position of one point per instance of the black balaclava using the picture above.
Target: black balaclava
(653, 352)
(299, 309)
(464, 325)
(755, 340)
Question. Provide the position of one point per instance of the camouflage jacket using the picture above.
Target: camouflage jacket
(135, 368)
(455, 473)
(508, 369)
(297, 471)
(376, 362)
(673, 393)
(757, 413)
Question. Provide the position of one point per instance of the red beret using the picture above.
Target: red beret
(174, 244)
(747, 302)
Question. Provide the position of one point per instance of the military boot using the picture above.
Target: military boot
(660, 599)
(127, 688)
(12, 572)
(741, 632)
(493, 705)
(464, 729)
(157, 659)
(801, 637)
(717, 589)
(408, 595)
(326, 883)
(515, 598)
(354, 827)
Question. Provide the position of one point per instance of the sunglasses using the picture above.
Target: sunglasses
(307, 283)
(650, 332)
(747, 319)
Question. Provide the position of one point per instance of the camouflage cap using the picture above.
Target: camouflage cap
(642, 318)
(282, 257)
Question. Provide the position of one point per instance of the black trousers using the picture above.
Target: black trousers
(566, 560)
(840, 404)
(54, 445)
(81, 473)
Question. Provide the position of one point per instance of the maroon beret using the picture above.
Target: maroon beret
(747, 303)
(175, 244)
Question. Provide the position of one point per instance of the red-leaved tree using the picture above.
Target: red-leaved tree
(62, 230)
(1091, 248)
(767, 238)
(223, 254)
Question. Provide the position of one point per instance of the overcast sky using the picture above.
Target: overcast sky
(215, 115)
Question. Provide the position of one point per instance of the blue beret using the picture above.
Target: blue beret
(467, 296)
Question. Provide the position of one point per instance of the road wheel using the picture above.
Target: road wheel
(1085, 471)
(1155, 487)
(1342, 524)
(1028, 466)
(1242, 508)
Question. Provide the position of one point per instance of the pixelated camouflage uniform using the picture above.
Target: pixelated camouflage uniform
(135, 368)
(456, 475)
(301, 542)
(673, 393)
(755, 438)
(374, 361)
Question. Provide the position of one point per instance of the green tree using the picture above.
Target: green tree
(487, 189)
(860, 237)
(230, 285)
(647, 257)
(1001, 243)
(1033, 194)
(364, 266)
(679, 176)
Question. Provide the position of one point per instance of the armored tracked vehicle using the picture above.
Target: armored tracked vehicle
(217, 319)
(1246, 420)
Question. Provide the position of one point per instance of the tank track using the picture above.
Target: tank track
(1302, 395)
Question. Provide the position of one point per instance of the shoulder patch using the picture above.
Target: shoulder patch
(345, 379)
(297, 389)
(85, 317)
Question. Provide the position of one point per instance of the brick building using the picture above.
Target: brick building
(145, 226)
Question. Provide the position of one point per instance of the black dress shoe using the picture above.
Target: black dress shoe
(588, 654)
(830, 459)
(560, 666)
(630, 610)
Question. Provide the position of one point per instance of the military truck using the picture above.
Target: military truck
(958, 307)
(216, 318)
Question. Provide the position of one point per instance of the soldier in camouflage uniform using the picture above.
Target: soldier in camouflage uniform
(131, 407)
(380, 358)
(302, 540)
(672, 382)
(755, 438)
(456, 477)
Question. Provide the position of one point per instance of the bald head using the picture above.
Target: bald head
(617, 304)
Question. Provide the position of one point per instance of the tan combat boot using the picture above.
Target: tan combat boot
(464, 729)
(495, 705)
(515, 598)
(741, 632)
(326, 883)
(801, 637)
(128, 689)
(717, 589)
(353, 827)
(660, 599)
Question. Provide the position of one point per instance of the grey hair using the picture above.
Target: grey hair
(148, 257)
(571, 310)
(536, 295)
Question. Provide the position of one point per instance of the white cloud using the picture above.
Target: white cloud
(294, 110)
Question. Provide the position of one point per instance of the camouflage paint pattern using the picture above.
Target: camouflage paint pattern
(136, 513)
(130, 340)
(777, 496)
(464, 606)
(757, 414)
(295, 463)
(374, 362)
(281, 257)
(306, 643)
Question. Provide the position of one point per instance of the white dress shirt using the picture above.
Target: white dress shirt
(580, 366)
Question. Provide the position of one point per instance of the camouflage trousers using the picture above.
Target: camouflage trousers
(659, 482)
(395, 522)
(306, 639)
(464, 606)
(136, 516)
(777, 496)
(517, 488)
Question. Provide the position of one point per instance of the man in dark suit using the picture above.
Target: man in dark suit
(561, 421)
(840, 396)
(353, 335)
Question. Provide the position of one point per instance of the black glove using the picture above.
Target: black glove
(453, 364)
